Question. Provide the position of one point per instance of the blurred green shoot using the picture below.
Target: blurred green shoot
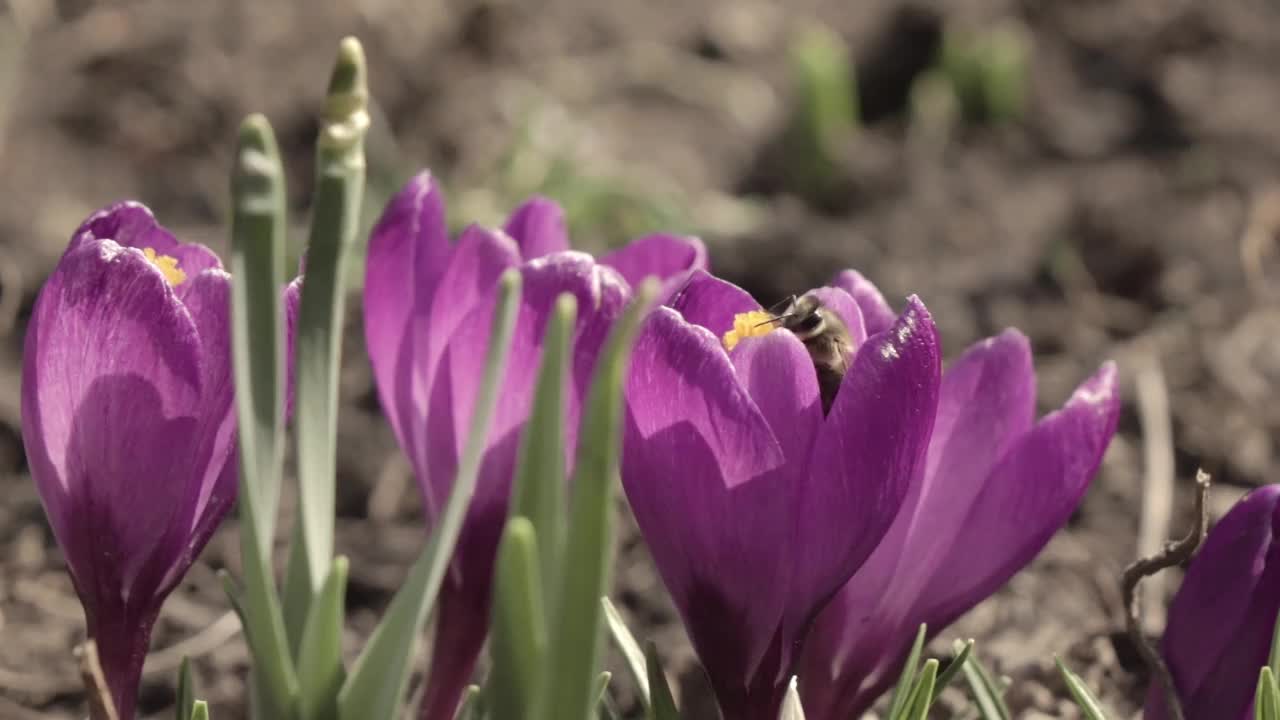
(791, 707)
(987, 692)
(826, 111)
(919, 684)
(989, 71)
(1266, 701)
(935, 110)
(1085, 700)
(340, 169)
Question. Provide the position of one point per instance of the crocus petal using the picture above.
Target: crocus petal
(662, 256)
(131, 224)
(867, 455)
(1221, 620)
(839, 302)
(1029, 495)
(111, 404)
(708, 301)
(701, 469)
(538, 228)
(875, 311)
(986, 401)
(776, 371)
(408, 251)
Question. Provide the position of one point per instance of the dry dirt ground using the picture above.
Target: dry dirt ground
(1130, 214)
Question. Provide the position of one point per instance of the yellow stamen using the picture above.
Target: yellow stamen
(168, 266)
(749, 324)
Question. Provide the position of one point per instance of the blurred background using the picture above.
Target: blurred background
(1103, 174)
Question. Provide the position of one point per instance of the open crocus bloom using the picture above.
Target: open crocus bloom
(428, 305)
(1221, 621)
(756, 506)
(128, 423)
(996, 486)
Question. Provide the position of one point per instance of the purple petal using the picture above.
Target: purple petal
(778, 374)
(839, 302)
(1221, 620)
(131, 224)
(408, 251)
(708, 301)
(663, 256)
(705, 478)
(868, 453)
(1029, 495)
(875, 311)
(986, 401)
(111, 408)
(538, 228)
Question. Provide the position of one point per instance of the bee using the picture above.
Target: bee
(824, 335)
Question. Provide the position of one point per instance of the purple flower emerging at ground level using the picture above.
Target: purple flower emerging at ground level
(1221, 620)
(756, 506)
(128, 422)
(996, 486)
(428, 305)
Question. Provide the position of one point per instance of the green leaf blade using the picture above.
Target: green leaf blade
(518, 636)
(320, 671)
(589, 541)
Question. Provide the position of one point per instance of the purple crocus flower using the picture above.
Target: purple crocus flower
(994, 490)
(427, 308)
(757, 506)
(1220, 623)
(128, 422)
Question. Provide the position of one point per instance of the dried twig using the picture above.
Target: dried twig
(101, 705)
(1174, 553)
(1157, 481)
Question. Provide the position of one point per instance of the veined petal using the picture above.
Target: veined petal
(538, 228)
(776, 371)
(1219, 629)
(875, 311)
(869, 452)
(131, 224)
(710, 302)
(986, 402)
(408, 251)
(1029, 495)
(706, 480)
(661, 255)
(111, 408)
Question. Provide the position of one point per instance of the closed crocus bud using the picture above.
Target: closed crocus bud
(996, 485)
(1220, 623)
(428, 303)
(127, 422)
(761, 483)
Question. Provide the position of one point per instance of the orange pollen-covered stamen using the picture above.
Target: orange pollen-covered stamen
(749, 324)
(167, 265)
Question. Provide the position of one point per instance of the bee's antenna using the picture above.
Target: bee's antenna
(775, 319)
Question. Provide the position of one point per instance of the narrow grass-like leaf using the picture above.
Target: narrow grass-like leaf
(602, 686)
(589, 543)
(200, 710)
(1273, 659)
(320, 671)
(518, 638)
(257, 261)
(340, 171)
(631, 651)
(907, 678)
(662, 706)
(953, 667)
(296, 595)
(186, 691)
(471, 707)
(791, 707)
(376, 682)
(1085, 700)
(917, 707)
(539, 489)
(1266, 701)
(987, 695)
